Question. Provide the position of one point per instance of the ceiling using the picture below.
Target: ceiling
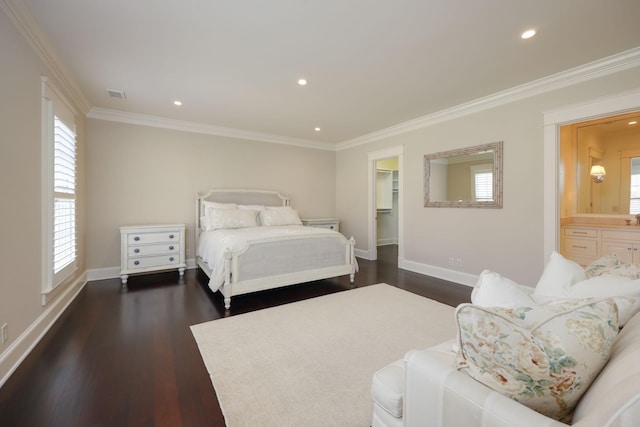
(369, 65)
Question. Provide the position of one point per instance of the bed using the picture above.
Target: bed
(252, 240)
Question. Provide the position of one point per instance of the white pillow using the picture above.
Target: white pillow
(493, 290)
(281, 215)
(229, 218)
(215, 205)
(544, 357)
(558, 276)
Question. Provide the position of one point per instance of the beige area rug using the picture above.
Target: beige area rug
(310, 363)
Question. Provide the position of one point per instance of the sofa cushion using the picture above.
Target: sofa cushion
(494, 290)
(544, 357)
(387, 388)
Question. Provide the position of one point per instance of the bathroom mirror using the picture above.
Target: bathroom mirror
(614, 144)
(464, 178)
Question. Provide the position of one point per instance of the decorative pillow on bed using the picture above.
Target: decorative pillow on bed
(280, 215)
(229, 218)
(544, 357)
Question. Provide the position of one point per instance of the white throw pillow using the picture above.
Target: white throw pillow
(558, 276)
(230, 218)
(544, 357)
(493, 290)
(281, 215)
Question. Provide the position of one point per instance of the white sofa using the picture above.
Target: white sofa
(425, 389)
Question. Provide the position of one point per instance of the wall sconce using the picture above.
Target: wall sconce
(598, 173)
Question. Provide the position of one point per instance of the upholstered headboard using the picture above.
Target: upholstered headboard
(238, 196)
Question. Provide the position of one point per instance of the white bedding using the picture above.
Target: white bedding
(212, 245)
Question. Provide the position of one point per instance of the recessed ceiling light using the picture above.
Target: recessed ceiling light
(302, 82)
(633, 122)
(317, 129)
(177, 103)
(528, 34)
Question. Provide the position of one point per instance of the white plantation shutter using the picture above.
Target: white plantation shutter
(482, 182)
(634, 202)
(64, 194)
(484, 186)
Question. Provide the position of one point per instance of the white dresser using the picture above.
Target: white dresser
(146, 248)
(330, 223)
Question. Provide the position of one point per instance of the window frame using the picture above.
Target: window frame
(54, 105)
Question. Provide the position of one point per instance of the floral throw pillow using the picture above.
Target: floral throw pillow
(612, 265)
(545, 357)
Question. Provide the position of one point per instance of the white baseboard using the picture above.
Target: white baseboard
(439, 272)
(361, 253)
(114, 272)
(13, 356)
(389, 241)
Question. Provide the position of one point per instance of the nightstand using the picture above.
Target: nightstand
(330, 223)
(146, 248)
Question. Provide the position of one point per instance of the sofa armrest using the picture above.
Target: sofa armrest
(437, 394)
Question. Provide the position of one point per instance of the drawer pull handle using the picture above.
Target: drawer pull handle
(171, 259)
(579, 247)
(579, 232)
(136, 250)
(137, 238)
(136, 262)
(171, 236)
(171, 247)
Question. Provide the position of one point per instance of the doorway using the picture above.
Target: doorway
(385, 204)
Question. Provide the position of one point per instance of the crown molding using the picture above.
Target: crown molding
(186, 126)
(600, 68)
(18, 12)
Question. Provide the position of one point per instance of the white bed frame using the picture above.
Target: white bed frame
(233, 259)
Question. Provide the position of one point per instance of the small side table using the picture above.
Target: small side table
(330, 223)
(147, 248)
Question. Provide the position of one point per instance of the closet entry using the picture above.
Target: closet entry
(387, 205)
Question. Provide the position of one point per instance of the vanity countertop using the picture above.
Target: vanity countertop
(630, 227)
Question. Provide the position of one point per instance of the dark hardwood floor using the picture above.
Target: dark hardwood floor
(128, 358)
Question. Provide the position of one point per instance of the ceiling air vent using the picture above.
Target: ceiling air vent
(114, 93)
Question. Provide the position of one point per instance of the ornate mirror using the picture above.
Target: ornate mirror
(464, 178)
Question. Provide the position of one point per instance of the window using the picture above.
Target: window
(482, 183)
(59, 183)
(634, 202)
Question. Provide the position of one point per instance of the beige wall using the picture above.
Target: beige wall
(507, 240)
(20, 192)
(142, 175)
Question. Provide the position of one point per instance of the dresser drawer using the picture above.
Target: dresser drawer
(153, 261)
(164, 236)
(163, 248)
(580, 232)
(581, 247)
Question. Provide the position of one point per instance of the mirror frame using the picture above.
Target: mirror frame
(496, 147)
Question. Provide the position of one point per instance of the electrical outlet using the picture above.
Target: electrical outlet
(452, 261)
(5, 333)
(459, 263)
